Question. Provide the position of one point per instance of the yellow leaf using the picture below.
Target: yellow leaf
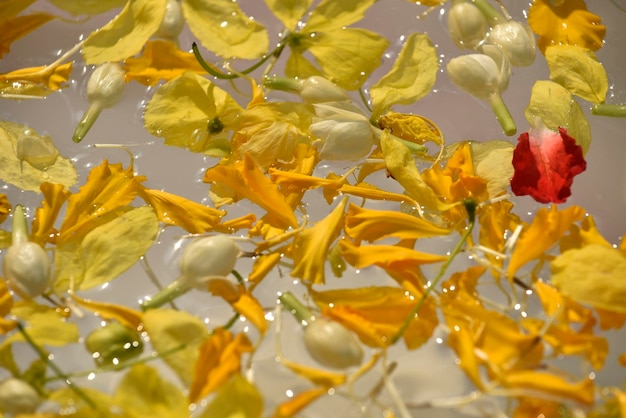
(126, 316)
(108, 189)
(372, 225)
(219, 359)
(106, 251)
(568, 23)
(176, 330)
(347, 56)
(182, 109)
(248, 181)
(81, 7)
(310, 248)
(243, 302)
(143, 391)
(222, 27)
(594, 275)
(316, 376)
(412, 76)
(171, 209)
(556, 107)
(289, 12)
(401, 165)
(125, 34)
(296, 404)
(578, 70)
(236, 398)
(582, 391)
(17, 27)
(25, 175)
(160, 60)
(545, 230)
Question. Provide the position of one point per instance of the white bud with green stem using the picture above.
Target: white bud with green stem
(26, 264)
(204, 259)
(480, 76)
(327, 341)
(105, 89)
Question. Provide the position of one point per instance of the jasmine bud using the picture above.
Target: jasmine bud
(467, 25)
(17, 397)
(331, 344)
(517, 41)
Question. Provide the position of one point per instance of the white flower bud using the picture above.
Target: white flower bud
(207, 258)
(517, 40)
(17, 397)
(172, 23)
(344, 131)
(317, 89)
(26, 267)
(104, 89)
(476, 74)
(502, 61)
(467, 26)
(331, 344)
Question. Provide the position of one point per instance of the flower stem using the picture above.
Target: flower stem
(288, 84)
(470, 207)
(44, 356)
(412, 146)
(493, 16)
(612, 110)
(171, 292)
(85, 124)
(502, 114)
(19, 235)
(301, 312)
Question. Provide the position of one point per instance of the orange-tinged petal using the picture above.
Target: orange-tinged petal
(160, 60)
(128, 317)
(5, 207)
(108, 188)
(243, 302)
(610, 319)
(13, 29)
(55, 196)
(176, 210)
(582, 391)
(568, 23)
(316, 376)
(232, 225)
(220, 358)
(372, 225)
(547, 227)
(291, 407)
(48, 78)
(263, 265)
(463, 344)
(568, 310)
(310, 248)
(6, 303)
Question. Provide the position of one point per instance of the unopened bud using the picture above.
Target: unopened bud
(17, 397)
(331, 344)
(113, 343)
(467, 25)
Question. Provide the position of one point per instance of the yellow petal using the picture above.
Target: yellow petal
(249, 182)
(330, 14)
(55, 196)
(310, 248)
(80, 7)
(176, 210)
(237, 398)
(412, 128)
(219, 358)
(222, 27)
(582, 391)
(35, 81)
(412, 76)
(289, 12)
(128, 317)
(243, 302)
(547, 227)
(569, 23)
(316, 376)
(296, 404)
(160, 60)
(126, 33)
(6, 303)
(17, 27)
(5, 207)
(372, 225)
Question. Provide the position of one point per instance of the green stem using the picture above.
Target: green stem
(493, 16)
(412, 146)
(85, 124)
(612, 110)
(171, 292)
(19, 235)
(301, 312)
(238, 276)
(502, 114)
(231, 321)
(287, 84)
(364, 100)
(123, 365)
(215, 72)
(62, 376)
(470, 207)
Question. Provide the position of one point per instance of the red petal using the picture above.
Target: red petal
(545, 165)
